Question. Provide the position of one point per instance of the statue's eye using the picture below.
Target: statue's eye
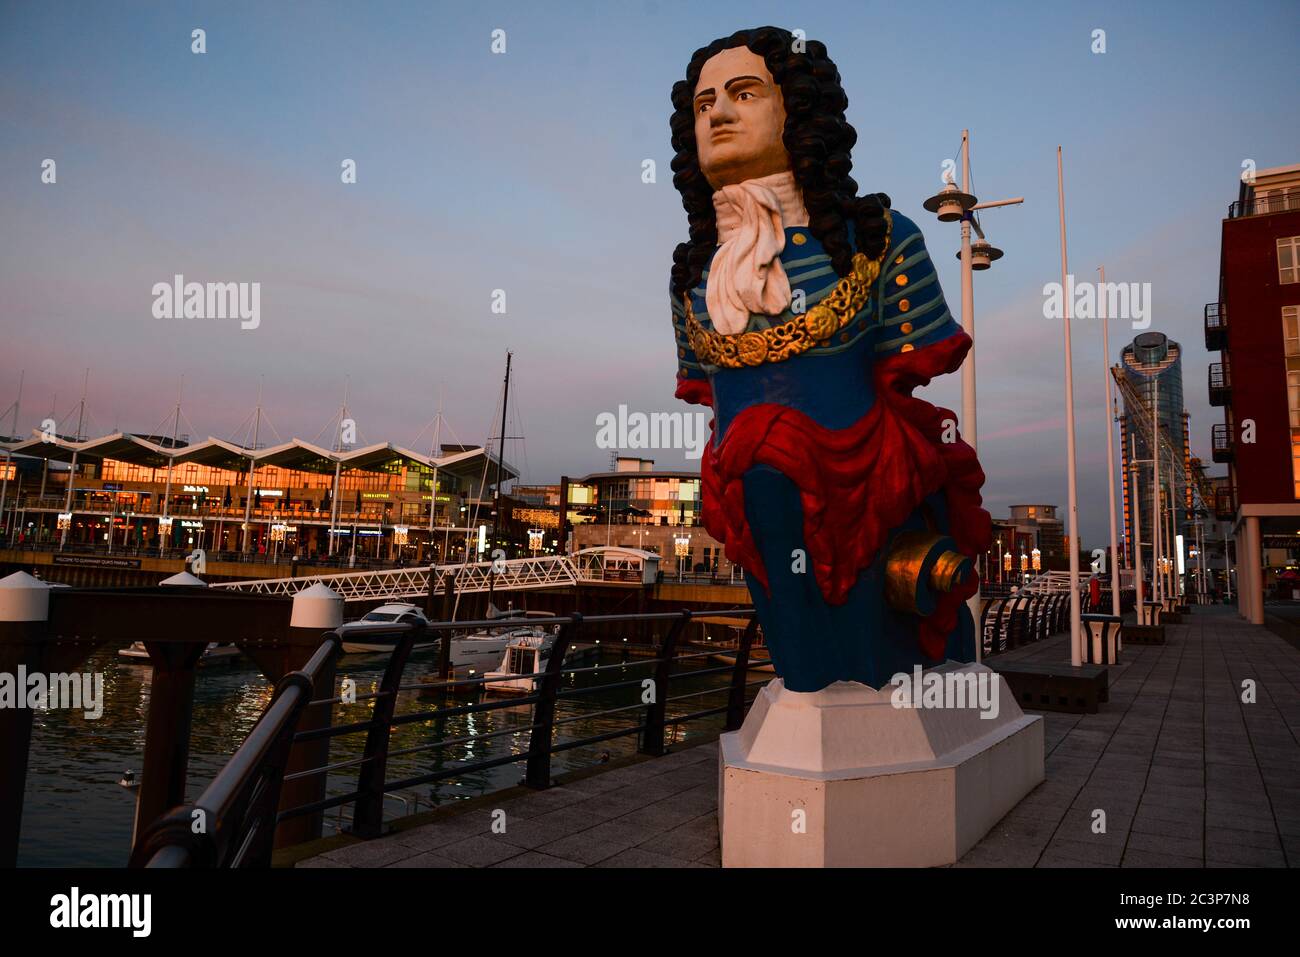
(745, 95)
(704, 107)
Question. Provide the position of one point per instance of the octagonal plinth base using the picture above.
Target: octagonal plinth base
(877, 785)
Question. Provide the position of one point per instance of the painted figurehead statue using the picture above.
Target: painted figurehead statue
(805, 315)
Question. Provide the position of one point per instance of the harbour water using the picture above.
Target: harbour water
(76, 812)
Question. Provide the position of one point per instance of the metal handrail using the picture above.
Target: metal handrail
(1264, 205)
(242, 801)
(246, 790)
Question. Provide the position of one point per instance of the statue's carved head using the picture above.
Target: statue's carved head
(758, 102)
(739, 119)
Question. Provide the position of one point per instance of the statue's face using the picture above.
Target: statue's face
(739, 119)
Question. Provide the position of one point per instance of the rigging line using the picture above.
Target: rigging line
(523, 440)
(472, 522)
(266, 417)
(186, 419)
(247, 421)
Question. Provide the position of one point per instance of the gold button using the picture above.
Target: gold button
(904, 305)
(798, 239)
(844, 337)
(901, 280)
(907, 327)
(907, 348)
(681, 353)
(899, 259)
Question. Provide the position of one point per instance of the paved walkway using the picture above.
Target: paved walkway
(1186, 773)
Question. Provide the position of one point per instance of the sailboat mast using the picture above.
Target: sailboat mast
(501, 454)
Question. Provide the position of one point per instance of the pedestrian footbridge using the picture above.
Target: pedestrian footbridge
(604, 564)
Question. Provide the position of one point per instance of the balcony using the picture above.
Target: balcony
(1278, 201)
(1216, 326)
(1221, 440)
(1225, 503)
(1220, 384)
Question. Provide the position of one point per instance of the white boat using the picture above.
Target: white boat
(212, 654)
(479, 652)
(524, 655)
(356, 641)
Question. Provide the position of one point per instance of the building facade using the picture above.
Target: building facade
(638, 506)
(1255, 325)
(1152, 366)
(130, 492)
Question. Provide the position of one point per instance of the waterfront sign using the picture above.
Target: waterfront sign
(91, 561)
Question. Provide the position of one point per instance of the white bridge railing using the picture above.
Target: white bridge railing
(1053, 583)
(547, 571)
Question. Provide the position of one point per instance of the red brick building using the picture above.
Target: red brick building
(1256, 325)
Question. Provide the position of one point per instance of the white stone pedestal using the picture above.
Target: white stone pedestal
(878, 785)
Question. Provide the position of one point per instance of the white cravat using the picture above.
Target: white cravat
(746, 274)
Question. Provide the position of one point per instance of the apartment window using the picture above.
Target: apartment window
(1291, 329)
(1288, 259)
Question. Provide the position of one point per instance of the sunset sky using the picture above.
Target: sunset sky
(522, 172)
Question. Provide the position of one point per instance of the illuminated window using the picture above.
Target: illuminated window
(1288, 259)
(1295, 461)
(1291, 329)
(1293, 398)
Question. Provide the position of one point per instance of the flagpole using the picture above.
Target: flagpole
(1110, 449)
(1076, 656)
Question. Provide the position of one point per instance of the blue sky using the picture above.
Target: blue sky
(522, 172)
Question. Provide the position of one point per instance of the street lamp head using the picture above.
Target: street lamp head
(950, 203)
(982, 254)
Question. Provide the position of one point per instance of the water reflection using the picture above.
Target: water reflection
(77, 814)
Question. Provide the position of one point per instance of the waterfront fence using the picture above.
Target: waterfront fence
(241, 807)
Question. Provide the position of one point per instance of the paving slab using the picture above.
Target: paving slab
(1188, 774)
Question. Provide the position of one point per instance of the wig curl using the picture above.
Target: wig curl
(817, 136)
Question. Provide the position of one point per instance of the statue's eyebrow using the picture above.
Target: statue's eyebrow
(728, 85)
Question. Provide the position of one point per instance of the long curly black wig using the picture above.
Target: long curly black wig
(817, 136)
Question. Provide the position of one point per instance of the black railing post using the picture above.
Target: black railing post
(538, 773)
(736, 699)
(652, 740)
(23, 623)
(448, 614)
(368, 816)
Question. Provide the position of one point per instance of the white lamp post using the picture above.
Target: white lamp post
(1076, 610)
(1110, 450)
(950, 205)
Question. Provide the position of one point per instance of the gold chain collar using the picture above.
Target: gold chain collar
(812, 328)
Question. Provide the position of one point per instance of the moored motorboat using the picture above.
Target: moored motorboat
(213, 654)
(525, 656)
